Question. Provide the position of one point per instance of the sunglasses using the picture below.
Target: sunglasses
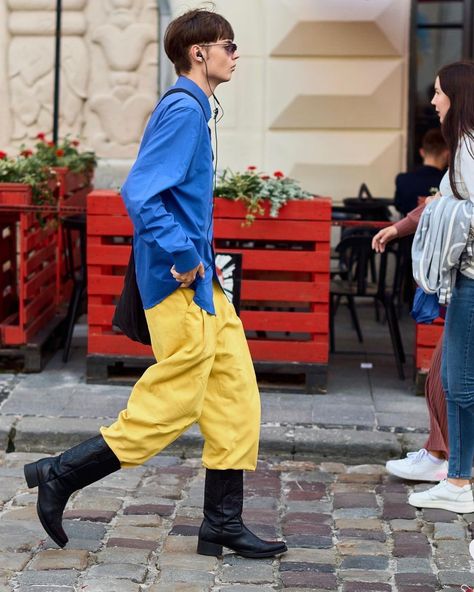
(229, 47)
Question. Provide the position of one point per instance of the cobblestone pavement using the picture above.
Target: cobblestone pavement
(349, 529)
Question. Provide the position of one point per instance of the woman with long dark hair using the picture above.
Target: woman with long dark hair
(454, 103)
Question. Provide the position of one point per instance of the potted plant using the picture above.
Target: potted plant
(256, 190)
(25, 179)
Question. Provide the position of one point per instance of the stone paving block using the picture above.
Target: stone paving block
(413, 565)
(309, 541)
(433, 515)
(393, 510)
(178, 587)
(171, 575)
(364, 562)
(248, 588)
(321, 506)
(355, 500)
(158, 509)
(48, 578)
(120, 571)
(249, 573)
(25, 513)
(418, 579)
(180, 544)
(311, 580)
(88, 499)
(404, 525)
(192, 561)
(361, 547)
(305, 566)
(109, 585)
(325, 556)
(10, 561)
(449, 531)
(363, 575)
(457, 578)
(132, 543)
(136, 520)
(359, 524)
(63, 559)
(149, 533)
(123, 555)
(366, 587)
(305, 528)
(90, 515)
(356, 513)
(368, 535)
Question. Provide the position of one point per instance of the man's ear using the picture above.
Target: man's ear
(422, 153)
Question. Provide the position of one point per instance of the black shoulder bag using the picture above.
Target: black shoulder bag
(129, 315)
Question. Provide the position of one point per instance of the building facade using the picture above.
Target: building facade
(321, 91)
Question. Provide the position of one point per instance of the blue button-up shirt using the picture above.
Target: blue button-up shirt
(168, 194)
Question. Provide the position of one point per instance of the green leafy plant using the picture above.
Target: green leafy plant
(28, 169)
(65, 154)
(254, 189)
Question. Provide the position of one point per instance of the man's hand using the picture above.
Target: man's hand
(383, 237)
(187, 278)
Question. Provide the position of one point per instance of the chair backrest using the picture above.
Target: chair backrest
(356, 257)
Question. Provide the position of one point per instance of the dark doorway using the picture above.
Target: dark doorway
(441, 34)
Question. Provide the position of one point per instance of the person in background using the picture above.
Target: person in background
(420, 182)
(429, 463)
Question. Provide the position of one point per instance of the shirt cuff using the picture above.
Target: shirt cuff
(186, 261)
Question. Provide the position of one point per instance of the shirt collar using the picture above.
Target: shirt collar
(200, 95)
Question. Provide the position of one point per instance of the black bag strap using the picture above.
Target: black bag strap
(172, 91)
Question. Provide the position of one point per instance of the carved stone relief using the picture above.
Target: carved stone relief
(124, 82)
(31, 26)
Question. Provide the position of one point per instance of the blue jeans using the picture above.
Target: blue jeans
(457, 371)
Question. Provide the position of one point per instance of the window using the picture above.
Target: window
(441, 34)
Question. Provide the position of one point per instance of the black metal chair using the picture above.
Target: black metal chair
(355, 256)
(77, 271)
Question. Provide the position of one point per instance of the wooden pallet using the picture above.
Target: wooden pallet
(33, 356)
(272, 377)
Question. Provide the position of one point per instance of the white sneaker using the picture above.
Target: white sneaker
(471, 548)
(445, 496)
(417, 466)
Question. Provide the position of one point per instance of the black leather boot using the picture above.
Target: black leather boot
(222, 525)
(58, 477)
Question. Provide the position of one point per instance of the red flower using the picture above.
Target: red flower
(251, 168)
(3, 155)
(59, 152)
(278, 174)
(75, 142)
(41, 136)
(26, 153)
(51, 144)
(264, 177)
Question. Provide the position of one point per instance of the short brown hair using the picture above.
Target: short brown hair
(193, 27)
(433, 142)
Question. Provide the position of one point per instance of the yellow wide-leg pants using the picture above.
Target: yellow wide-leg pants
(204, 374)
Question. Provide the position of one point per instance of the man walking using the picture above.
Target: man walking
(204, 372)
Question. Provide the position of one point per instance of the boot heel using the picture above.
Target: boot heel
(31, 475)
(211, 549)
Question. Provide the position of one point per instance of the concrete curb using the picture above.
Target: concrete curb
(52, 435)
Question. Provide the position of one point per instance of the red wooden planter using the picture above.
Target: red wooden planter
(27, 275)
(14, 194)
(427, 336)
(285, 287)
(72, 190)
